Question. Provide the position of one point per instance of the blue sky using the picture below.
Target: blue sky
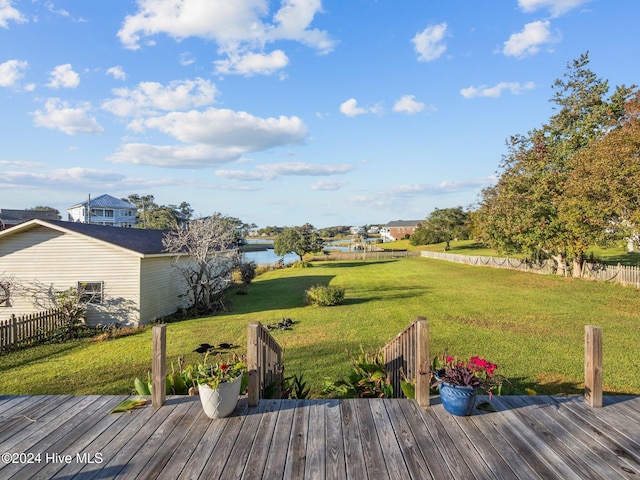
(334, 112)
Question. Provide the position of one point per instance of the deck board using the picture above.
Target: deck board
(526, 438)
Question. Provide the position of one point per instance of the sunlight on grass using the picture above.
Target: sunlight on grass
(531, 325)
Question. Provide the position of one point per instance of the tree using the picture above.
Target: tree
(210, 245)
(159, 217)
(442, 225)
(521, 212)
(603, 192)
(42, 208)
(298, 240)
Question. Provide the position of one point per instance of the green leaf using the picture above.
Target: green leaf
(408, 389)
(129, 405)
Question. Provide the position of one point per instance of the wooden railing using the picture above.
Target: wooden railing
(408, 355)
(264, 362)
(29, 329)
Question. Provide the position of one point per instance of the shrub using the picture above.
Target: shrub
(301, 264)
(325, 295)
(368, 379)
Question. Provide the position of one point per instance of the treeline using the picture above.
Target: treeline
(567, 185)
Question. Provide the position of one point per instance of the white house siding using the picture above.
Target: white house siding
(162, 288)
(53, 257)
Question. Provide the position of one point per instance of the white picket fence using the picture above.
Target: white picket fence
(622, 274)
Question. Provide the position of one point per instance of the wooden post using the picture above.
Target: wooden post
(593, 366)
(159, 365)
(14, 330)
(253, 388)
(422, 362)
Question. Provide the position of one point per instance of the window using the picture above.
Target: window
(91, 292)
(108, 213)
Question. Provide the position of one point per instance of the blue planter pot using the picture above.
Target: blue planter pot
(457, 400)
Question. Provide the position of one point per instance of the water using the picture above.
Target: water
(268, 257)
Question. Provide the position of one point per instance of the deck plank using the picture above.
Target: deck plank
(264, 440)
(335, 458)
(391, 453)
(526, 438)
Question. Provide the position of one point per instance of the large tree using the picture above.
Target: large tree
(602, 197)
(521, 212)
(211, 247)
(159, 217)
(442, 225)
(298, 240)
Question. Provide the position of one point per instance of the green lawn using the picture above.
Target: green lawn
(610, 256)
(531, 325)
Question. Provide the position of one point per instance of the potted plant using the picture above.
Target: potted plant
(219, 385)
(459, 381)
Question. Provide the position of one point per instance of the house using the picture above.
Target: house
(104, 210)
(11, 218)
(132, 280)
(399, 229)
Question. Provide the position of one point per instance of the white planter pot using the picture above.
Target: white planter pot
(222, 401)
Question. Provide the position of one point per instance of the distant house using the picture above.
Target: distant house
(398, 229)
(356, 230)
(132, 279)
(104, 210)
(11, 218)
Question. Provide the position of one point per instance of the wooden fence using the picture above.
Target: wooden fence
(622, 274)
(362, 255)
(408, 355)
(29, 329)
(264, 362)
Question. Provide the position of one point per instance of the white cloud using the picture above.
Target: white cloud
(253, 63)
(63, 76)
(276, 170)
(8, 12)
(556, 7)
(153, 97)
(528, 41)
(240, 28)
(117, 72)
(59, 115)
(429, 44)
(211, 137)
(187, 59)
(350, 108)
(61, 178)
(328, 185)
(11, 71)
(408, 104)
(483, 91)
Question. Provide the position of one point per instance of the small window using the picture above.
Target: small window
(91, 292)
(5, 294)
(108, 213)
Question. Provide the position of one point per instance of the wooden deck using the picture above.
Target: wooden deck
(528, 437)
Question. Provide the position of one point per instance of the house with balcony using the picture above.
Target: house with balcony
(399, 229)
(104, 210)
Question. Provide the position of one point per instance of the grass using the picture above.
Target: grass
(531, 325)
(609, 256)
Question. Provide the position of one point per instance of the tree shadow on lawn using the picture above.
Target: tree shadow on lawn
(353, 263)
(390, 294)
(519, 386)
(277, 294)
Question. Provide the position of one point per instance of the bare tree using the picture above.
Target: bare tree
(211, 247)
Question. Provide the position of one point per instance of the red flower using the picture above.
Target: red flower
(224, 367)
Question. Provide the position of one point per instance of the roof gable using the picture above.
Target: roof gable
(144, 242)
(404, 223)
(106, 201)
